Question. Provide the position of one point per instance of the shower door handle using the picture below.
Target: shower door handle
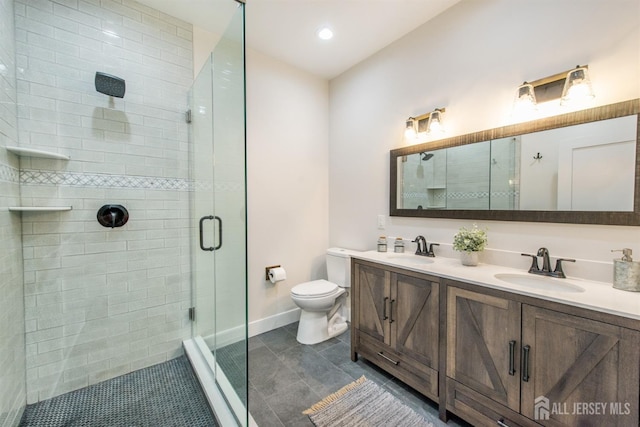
(217, 218)
(202, 220)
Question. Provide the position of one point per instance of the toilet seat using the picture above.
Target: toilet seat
(315, 289)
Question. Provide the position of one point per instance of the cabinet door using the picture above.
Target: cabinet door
(483, 335)
(415, 318)
(581, 371)
(372, 301)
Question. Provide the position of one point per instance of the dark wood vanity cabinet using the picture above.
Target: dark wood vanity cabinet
(483, 337)
(496, 358)
(574, 360)
(395, 323)
(513, 363)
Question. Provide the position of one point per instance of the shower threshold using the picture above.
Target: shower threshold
(223, 407)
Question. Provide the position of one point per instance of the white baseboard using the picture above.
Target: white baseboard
(276, 321)
(226, 337)
(257, 327)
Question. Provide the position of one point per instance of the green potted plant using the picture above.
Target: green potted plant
(470, 242)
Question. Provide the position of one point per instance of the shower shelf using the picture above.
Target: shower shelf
(40, 208)
(30, 152)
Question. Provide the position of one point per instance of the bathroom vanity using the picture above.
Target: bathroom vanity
(497, 346)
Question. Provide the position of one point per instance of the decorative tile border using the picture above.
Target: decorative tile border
(80, 179)
(500, 194)
(460, 195)
(414, 195)
(28, 176)
(9, 174)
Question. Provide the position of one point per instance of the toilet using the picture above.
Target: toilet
(325, 305)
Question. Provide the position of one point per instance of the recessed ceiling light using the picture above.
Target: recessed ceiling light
(325, 33)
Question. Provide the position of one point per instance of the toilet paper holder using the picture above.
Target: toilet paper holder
(266, 270)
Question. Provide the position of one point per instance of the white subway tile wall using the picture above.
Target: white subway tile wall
(12, 346)
(103, 302)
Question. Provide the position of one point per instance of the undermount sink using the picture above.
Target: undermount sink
(539, 282)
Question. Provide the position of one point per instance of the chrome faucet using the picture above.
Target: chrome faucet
(424, 249)
(546, 264)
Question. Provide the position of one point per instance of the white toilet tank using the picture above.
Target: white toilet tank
(339, 266)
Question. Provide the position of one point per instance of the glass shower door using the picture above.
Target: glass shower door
(229, 175)
(217, 103)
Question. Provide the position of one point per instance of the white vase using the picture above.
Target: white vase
(469, 258)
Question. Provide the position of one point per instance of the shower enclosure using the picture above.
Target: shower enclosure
(123, 226)
(218, 348)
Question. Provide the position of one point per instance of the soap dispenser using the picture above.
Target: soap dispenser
(626, 272)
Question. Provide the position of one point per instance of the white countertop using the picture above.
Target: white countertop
(599, 296)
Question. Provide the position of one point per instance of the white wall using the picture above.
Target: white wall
(470, 60)
(287, 137)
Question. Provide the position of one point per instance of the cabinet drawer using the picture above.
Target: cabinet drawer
(480, 410)
(413, 373)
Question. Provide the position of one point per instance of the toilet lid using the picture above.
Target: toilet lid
(315, 288)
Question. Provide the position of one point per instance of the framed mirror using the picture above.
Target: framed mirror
(581, 167)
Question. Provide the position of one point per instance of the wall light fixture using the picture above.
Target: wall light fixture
(428, 123)
(577, 86)
(570, 87)
(435, 121)
(410, 128)
(525, 98)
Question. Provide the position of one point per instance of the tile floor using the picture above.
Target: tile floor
(286, 377)
(167, 394)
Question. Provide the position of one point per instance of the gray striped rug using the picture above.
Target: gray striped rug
(363, 404)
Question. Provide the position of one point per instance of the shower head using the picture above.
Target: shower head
(110, 85)
(426, 156)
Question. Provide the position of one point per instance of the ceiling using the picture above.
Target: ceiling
(286, 29)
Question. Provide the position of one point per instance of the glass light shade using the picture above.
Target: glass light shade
(525, 102)
(577, 87)
(526, 96)
(435, 122)
(410, 128)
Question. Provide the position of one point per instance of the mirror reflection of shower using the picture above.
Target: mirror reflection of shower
(420, 169)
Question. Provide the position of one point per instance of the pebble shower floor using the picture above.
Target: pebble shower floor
(167, 394)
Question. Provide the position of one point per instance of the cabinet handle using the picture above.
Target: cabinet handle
(512, 356)
(525, 363)
(501, 422)
(390, 360)
(384, 309)
(391, 311)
